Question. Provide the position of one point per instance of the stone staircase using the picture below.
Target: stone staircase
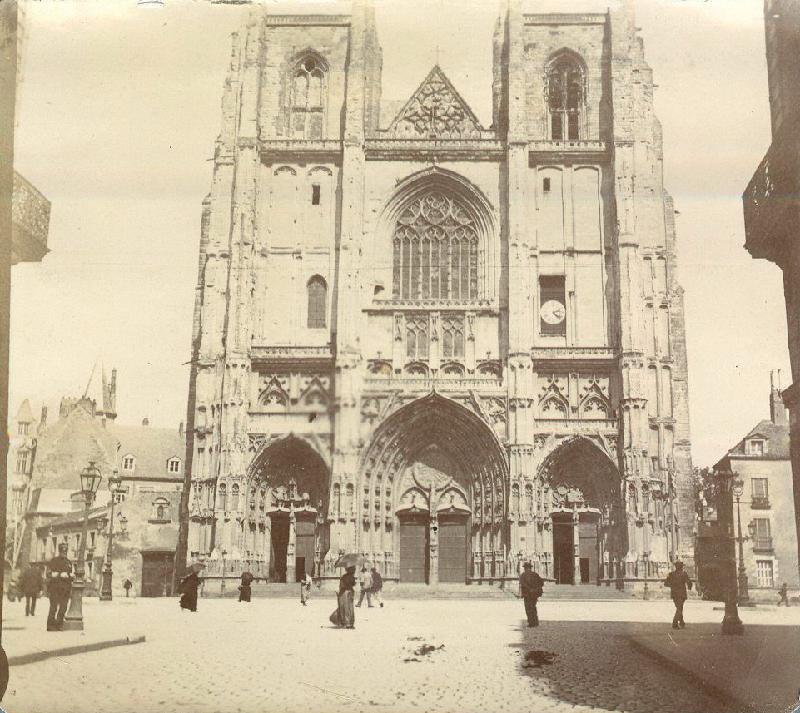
(565, 592)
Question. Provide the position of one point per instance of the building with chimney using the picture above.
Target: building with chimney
(448, 346)
(771, 204)
(761, 460)
(47, 508)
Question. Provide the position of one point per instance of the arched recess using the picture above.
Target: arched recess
(429, 206)
(285, 534)
(565, 95)
(434, 472)
(582, 489)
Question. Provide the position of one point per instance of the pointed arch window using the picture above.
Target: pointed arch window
(435, 250)
(565, 99)
(317, 290)
(307, 100)
(234, 503)
(222, 496)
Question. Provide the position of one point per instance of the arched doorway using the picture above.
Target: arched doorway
(285, 526)
(439, 474)
(582, 485)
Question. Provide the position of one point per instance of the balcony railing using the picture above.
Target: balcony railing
(760, 504)
(762, 544)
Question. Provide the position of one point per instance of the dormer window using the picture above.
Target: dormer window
(756, 447)
(128, 462)
(174, 465)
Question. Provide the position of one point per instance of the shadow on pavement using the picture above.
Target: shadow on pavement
(596, 665)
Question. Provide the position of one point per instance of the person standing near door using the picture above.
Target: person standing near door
(59, 587)
(531, 587)
(678, 582)
(31, 588)
(244, 586)
(366, 586)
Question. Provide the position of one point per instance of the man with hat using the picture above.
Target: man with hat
(531, 586)
(678, 582)
(59, 587)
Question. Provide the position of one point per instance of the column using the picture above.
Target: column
(576, 544)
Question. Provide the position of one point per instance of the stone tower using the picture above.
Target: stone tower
(449, 347)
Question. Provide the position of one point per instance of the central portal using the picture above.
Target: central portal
(563, 548)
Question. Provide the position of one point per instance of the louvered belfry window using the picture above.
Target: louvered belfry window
(317, 297)
(435, 250)
(565, 99)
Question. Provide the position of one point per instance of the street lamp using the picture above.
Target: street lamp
(744, 594)
(731, 623)
(116, 488)
(222, 582)
(90, 481)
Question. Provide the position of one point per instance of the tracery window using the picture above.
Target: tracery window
(307, 99)
(222, 496)
(435, 250)
(565, 98)
(452, 336)
(417, 338)
(317, 290)
(234, 503)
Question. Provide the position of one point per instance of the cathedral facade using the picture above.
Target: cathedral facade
(449, 347)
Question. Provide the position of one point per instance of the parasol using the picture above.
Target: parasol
(352, 559)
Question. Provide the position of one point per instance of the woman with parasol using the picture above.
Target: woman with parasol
(345, 615)
(189, 585)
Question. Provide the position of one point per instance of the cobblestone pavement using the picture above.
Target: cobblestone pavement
(274, 655)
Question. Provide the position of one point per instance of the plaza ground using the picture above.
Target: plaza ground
(275, 655)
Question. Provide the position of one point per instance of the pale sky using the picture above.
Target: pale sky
(117, 115)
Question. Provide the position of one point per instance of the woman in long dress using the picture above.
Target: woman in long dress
(347, 583)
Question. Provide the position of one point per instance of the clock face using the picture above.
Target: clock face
(553, 312)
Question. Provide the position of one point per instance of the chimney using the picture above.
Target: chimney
(43, 418)
(145, 421)
(180, 430)
(777, 411)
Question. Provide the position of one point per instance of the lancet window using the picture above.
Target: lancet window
(565, 98)
(307, 102)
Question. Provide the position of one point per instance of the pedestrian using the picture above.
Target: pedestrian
(127, 584)
(305, 588)
(59, 587)
(31, 587)
(345, 616)
(784, 595)
(188, 587)
(678, 582)
(377, 586)
(244, 587)
(366, 586)
(531, 587)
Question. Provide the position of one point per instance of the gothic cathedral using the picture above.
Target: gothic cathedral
(448, 347)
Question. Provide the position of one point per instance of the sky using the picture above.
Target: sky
(118, 109)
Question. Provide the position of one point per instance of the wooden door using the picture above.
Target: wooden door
(563, 552)
(452, 551)
(278, 543)
(157, 570)
(304, 548)
(588, 551)
(413, 551)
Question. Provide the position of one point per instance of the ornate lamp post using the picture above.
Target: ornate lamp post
(744, 594)
(116, 488)
(731, 623)
(222, 583)
(90, 481)
(646, 558)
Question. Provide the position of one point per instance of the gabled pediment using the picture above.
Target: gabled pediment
(435, 111)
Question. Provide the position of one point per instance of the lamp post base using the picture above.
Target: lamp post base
(105, 587)
(73, 619)
(731, 623)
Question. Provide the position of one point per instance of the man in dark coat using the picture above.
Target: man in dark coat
(59, 587)
(531, 586)
(245, 586)
(678, 582)
(31, 587)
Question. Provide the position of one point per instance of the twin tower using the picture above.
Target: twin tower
(452, 348)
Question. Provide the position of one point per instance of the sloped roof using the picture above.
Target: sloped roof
(51, 500)
(75, 517)
(68, 444)
(25, 414)
(152, 448)
(776, 435)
